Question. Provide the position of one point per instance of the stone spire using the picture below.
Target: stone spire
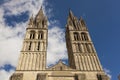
(71, 14)
(41, 19)
(70, 19)
(81, 52)
(31, 20)
(82, 24)
(34, 50)
(40, 13)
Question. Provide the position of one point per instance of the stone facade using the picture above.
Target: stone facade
(83, 60)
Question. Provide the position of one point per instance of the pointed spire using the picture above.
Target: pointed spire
(71, 13)
(31, 17)
(80, 19)
(82, 22)
(40, 11)
(31, 20)
(60, 60)
(40, 14)
(70, 18)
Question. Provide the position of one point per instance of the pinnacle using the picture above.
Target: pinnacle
(80, 18)
(40, 11)
(70, 13)
(31, 17)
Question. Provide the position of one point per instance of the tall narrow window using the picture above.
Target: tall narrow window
(40, 35)
(84, 36)
(76, 77)
(76, 36)
(32, 34)
(29, 48)
(38, 48)
(99, 77)
(43, 23)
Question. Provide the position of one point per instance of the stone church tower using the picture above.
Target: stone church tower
(33, 54)
(83, 60)
(81, 51)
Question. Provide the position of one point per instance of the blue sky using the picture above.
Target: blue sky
(103, 19)
(101, 16)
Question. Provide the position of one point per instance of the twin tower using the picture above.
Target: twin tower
(83, 60)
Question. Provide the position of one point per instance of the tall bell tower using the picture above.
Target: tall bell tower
(33, 53)
(81, 52)
(83, 60)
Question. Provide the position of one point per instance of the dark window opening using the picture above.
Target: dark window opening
(40, 35)
(76, 36)
(84, 36)
(32, 35)
(30, 46)
(38, 48)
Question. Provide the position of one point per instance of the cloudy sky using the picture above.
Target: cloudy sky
(102, 18)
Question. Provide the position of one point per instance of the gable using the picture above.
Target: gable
(60, 66)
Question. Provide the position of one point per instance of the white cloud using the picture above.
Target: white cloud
(11, 38)
(10, 41)
(16, 7)
(108, 72)
(56, 45)
(5, 75)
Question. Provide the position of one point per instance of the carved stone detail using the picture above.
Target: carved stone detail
(17, 76)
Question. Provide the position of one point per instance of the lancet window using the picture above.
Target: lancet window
(84, 36)
(76, 36)
(32, 34)
(40, 35)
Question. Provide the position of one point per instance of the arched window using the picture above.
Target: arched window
(76, 36)
(32, 34)
(84, 36)
(40, 35)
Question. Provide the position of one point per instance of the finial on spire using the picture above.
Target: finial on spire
(31, 17)
(80, 18)
(41, 8)
(70, 13)
(40, 11)
(31, 20)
